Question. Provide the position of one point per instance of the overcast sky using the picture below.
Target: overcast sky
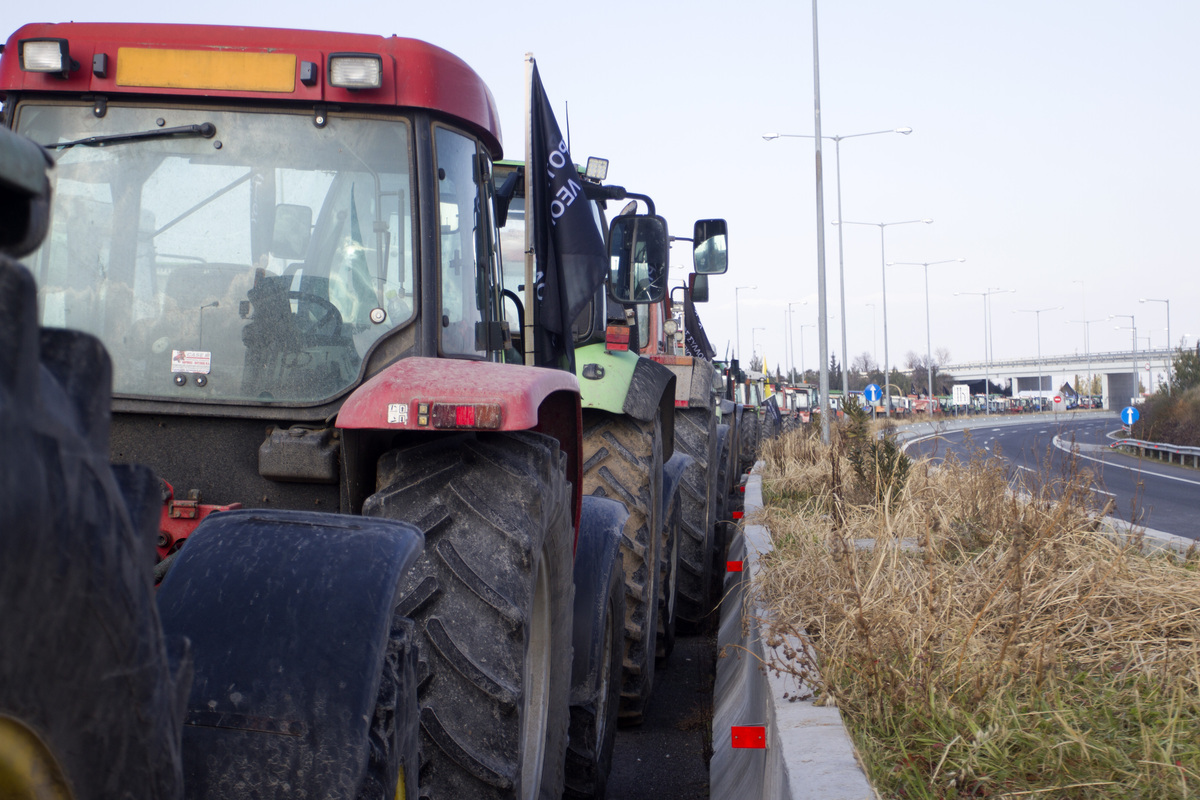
(1053, 144)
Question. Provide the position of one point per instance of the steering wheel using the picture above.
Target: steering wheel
(331, 319)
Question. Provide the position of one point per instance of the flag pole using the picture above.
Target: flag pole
(529, 220)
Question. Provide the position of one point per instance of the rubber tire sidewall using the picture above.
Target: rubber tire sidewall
(472, 596)
(623, 460)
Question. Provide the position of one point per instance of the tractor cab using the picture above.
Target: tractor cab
(244, 250)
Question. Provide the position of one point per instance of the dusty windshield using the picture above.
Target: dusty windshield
(256, 264)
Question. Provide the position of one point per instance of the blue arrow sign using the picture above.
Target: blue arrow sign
(872, 393)
(1129, 415)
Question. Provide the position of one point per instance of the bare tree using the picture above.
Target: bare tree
(864, 363)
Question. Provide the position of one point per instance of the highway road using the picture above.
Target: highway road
(1153, 494)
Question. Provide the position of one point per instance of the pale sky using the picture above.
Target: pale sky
(1053, 144)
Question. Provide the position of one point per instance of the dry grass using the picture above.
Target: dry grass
(1013, 651)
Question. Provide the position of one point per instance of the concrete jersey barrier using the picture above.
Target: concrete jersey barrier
(796, 749)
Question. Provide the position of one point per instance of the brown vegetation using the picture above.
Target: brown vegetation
(981, 642)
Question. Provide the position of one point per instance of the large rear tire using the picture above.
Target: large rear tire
(696, 435)
(623, 460)
(492, 597)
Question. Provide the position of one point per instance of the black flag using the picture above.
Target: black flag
(568, 245)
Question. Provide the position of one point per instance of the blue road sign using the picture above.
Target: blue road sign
(1129, 415)
(872, 393)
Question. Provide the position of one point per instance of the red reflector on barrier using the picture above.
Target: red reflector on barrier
(749, 736)
(739, 514)
(733, 566)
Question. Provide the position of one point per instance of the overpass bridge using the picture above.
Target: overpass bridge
(1030, 377)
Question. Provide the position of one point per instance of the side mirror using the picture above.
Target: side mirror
(699, 288)
(638, 250)
(709, 247)
(293, 229)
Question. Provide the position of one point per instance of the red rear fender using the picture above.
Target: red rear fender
(407, 396)
(442, 394)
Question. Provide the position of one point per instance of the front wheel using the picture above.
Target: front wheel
(492, 598)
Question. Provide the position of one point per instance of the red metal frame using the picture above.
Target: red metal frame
(415, 74)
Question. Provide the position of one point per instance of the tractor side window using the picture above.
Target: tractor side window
(464, 262)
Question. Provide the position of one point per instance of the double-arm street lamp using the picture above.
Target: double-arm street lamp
(737, 319)
(883, 268)
(928, 347)
(837, 149)
(987, 357)
(1037, 312)
(1170, 358)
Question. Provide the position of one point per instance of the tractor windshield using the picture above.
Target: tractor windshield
(255, 264)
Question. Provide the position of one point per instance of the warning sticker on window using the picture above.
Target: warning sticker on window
(194, 361)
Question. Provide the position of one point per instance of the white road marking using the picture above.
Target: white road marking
(1117, 465)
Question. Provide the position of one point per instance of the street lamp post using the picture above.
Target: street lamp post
(883, 269)
(1087, 348)
(837, 149)
(928, 347)
(737, 318)
(874, 337)
(1169, 345)
(987, 355)
(791, 307)
(1037, 312)
(802, 370)
(1132, 327)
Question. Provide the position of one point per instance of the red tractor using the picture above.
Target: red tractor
(286, 240)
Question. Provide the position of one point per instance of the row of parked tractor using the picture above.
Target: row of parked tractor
(333, 467)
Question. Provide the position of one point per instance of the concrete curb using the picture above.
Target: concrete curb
(808, 754)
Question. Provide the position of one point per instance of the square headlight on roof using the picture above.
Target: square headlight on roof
(356, 70)
(45, 55)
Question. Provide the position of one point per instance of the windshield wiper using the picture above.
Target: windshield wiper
(205, 129)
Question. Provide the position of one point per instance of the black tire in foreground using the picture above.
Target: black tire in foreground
(623, 460)
(696, 435)
(92, 694)
(492, 598)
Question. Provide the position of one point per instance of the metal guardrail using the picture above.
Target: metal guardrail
(1160, 448)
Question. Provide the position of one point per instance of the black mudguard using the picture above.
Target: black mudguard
(597, 555)
(723, 482)
(652, 388)
(672, 475)
(290, 615)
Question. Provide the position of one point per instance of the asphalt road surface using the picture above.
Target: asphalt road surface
(1147, 492)
(666, 757)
